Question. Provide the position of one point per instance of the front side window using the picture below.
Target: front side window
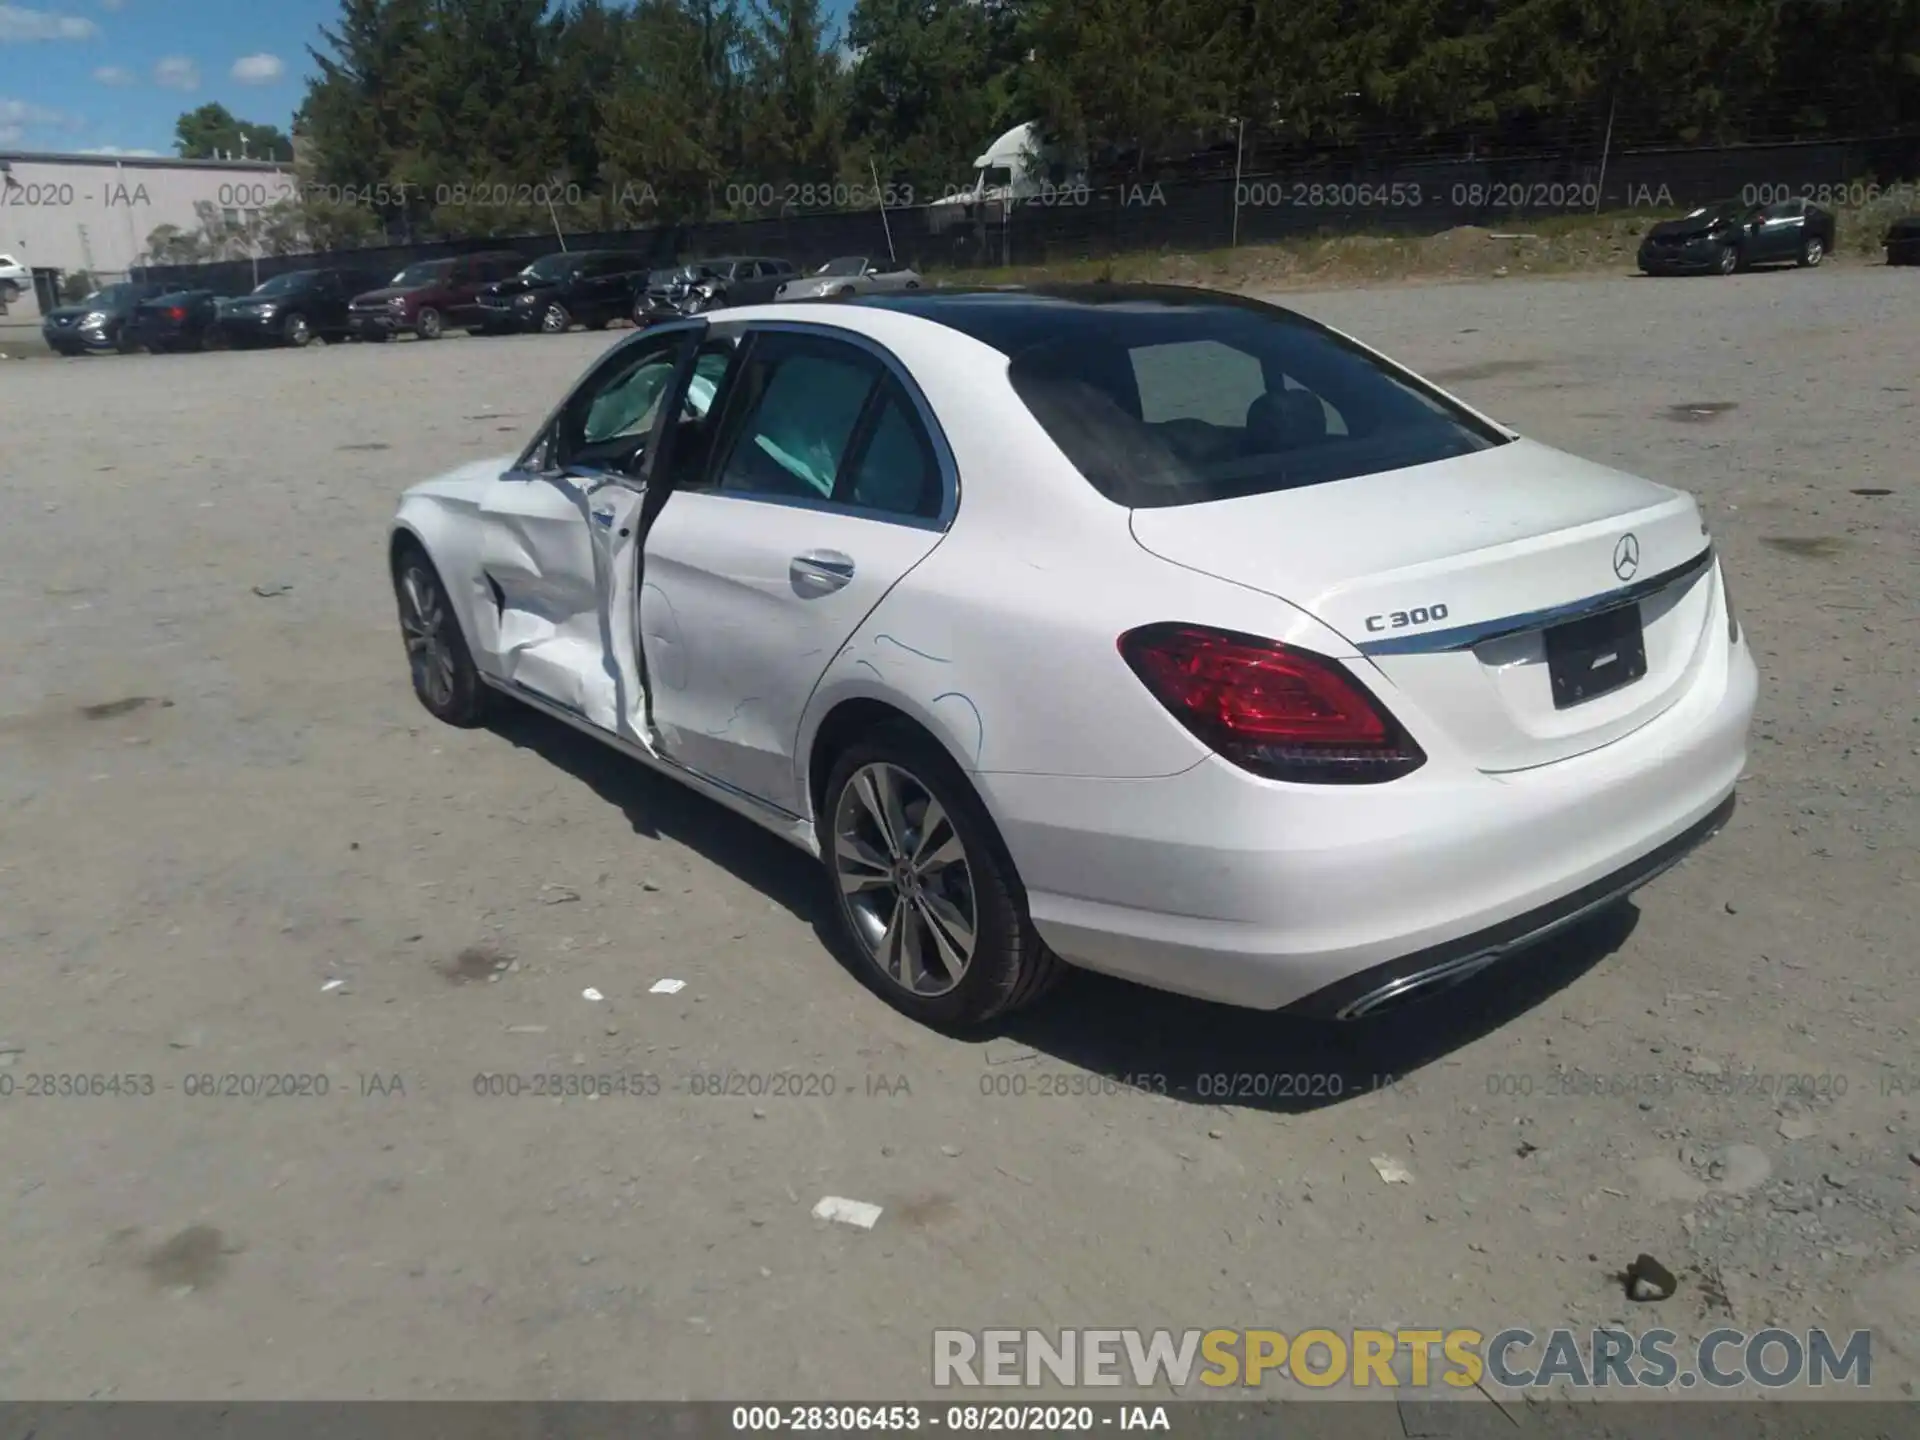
(1178, 405)
(608, 422)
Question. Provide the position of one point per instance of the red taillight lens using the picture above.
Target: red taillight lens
(176, 313)
(1279, 712)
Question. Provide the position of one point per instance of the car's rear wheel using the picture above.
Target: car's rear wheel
(1812, 251)
(1729, 260)
(554, 320)
(429, 324)
(296, 331)
(925, 892)
(444, 678)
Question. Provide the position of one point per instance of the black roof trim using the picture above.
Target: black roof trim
(1011, 317)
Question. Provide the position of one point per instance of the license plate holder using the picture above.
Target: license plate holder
(1595, 656)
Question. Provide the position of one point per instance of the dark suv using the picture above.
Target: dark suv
(102, 321)
(430, 295)
(292, 309)
(556, 292)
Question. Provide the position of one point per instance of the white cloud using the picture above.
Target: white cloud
(116, 150)
(177, 72)
(20, 24)
(11, 134)
(24, 112)
(114, 75)
(258, 69)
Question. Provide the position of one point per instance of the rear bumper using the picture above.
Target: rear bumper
(1216, 884)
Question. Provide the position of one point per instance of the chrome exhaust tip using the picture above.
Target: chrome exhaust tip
(1420, 985)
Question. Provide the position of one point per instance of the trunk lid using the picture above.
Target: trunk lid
(1447, 578)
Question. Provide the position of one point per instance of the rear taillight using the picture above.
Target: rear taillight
(1282, 713)
(176, 313)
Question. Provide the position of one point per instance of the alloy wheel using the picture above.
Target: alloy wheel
(423, 621)
(1815, 252)
(554, 320)
(905, 880)
(298, 331)
(430, 324)
(1729, 260)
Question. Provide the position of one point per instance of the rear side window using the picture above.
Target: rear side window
(1177, 405)
(810, 400)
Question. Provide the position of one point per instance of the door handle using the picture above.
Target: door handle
(820, 572)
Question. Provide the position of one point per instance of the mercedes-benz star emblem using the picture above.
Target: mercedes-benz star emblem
(1626, 557)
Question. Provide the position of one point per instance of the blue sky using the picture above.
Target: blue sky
(116, 74)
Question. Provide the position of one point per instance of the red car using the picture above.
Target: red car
(430, 295)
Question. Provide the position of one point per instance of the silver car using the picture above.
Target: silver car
(849, 275)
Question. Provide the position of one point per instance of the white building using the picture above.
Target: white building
(94, 212)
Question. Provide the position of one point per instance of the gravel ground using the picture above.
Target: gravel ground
(220, 797)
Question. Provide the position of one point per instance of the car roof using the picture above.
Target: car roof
(1011, 319)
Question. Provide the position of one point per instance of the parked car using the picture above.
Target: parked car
(556, 292)
(1730, 235)
(179, 320)
(1902, 241)
(293, 308)
(99, 322)
(15, 279)
(703, 285)
(1246, 664)
(848, 275)
(427, 297)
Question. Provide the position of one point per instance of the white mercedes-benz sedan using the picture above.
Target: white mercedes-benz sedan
(1156, 631)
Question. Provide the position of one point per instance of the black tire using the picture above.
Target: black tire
(374, 335)
(429, 324)
(844, 290)
(1010, 967)
(458, 697)
(296, 330)
(334, 337)
(215, 338)
(1813, 250)
(125, 343)
(554, 319)
(1729, 259)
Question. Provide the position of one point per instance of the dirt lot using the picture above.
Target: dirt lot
(219, 797)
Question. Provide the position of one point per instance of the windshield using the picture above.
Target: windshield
(114, 295)
(424, 273)
(845, 265)
(550, 267)
(282, 284)
(1177, 405)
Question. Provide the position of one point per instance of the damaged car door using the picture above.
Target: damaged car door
(560, 532)
(824, 482)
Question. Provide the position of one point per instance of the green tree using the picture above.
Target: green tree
(214, 130)
(931, 86)
(796, 110)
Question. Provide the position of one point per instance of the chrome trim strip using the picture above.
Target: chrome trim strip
(1466, 637)
(1462, 967)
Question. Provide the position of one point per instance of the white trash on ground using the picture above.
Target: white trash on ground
(847, 1212)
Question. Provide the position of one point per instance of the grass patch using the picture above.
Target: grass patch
(1548, 245)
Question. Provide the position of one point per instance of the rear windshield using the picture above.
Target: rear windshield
(1174, 405)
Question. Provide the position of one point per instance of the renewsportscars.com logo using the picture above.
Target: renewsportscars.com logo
(1363, 1359)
